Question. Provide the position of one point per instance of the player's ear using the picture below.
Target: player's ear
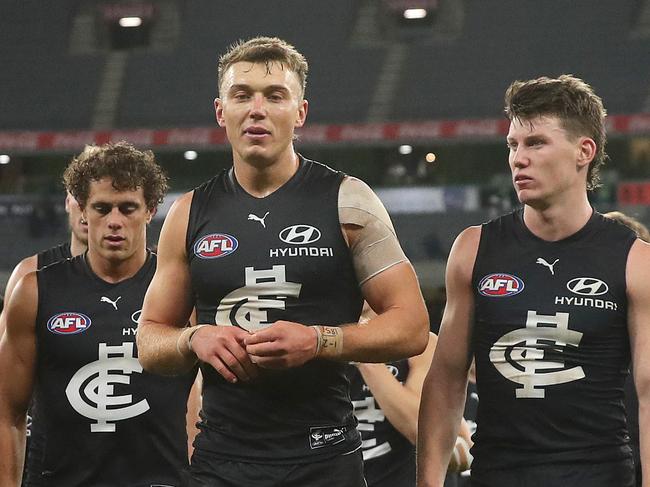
(586, 151)
(152, 213)
(301, 116)
(218, 111)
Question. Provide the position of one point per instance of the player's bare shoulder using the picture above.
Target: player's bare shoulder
(172, 235)
(180, 208)
(464, 250)
(20, 310)
(357, 201)
(638, 266)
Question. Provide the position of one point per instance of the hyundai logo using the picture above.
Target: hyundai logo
(136, 316)
(300, 234)
(587, 286)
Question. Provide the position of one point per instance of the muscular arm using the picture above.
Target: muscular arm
(445, 386)
(163, 339)
(388, 283)
(401, 403)
(17, 363)
(25, 266)
(638, 294)
(168, 303)
(401, 326)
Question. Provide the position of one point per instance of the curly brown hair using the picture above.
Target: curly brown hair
(265, 50)
(127, 167)
(570, 99)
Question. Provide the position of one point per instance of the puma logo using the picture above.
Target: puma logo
(546, 264)
(256, 218)
(108, 300)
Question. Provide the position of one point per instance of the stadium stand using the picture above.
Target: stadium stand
(507, 39)
(43, 86)
(437, 79)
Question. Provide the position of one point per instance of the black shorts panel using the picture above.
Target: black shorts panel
(341, 471)
(607, 474)
(404, 476)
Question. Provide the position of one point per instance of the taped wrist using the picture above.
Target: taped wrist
(184, 341)
(330, 341)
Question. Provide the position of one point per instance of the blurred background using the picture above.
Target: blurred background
(405, 94)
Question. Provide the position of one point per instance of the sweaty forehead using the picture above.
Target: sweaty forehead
(260, 74)
(103, 191)
(537, 125)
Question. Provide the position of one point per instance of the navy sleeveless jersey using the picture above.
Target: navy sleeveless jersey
(254, 261)
(385, 450)
(551, 344)
(53, 254)
(106, 421)
(35, 441)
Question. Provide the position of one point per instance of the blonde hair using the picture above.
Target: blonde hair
(266, 50)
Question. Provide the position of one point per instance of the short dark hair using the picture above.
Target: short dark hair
(127, 167)
(264, 50)
(573, 101)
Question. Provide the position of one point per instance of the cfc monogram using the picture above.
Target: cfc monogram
(91, 391)
(265, 289)
(521, 355)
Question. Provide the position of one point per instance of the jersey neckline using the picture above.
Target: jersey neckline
(293, 181)
(582, 232)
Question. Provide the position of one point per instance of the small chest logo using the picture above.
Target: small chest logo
(300, 234)
(68, 323)
(542, 261)
(587, 286)
(104, 299)
(135, 317)
(260, 220)
(500, 285)
(215, 245)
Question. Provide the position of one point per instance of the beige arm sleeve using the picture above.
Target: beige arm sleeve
(377, 247)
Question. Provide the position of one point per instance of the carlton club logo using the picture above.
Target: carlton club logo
(91, 391)
(533, 356)
(215, 245)
(248, 306)
(68, 323)
(300, 234)
(500, 285)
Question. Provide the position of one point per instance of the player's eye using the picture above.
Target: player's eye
(102, 209)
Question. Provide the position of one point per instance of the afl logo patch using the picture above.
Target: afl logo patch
(68, 323)
(500, 285)
(215, 245)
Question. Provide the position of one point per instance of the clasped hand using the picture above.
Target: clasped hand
(236, 354)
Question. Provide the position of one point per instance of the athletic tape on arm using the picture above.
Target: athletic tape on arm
(376, 248)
